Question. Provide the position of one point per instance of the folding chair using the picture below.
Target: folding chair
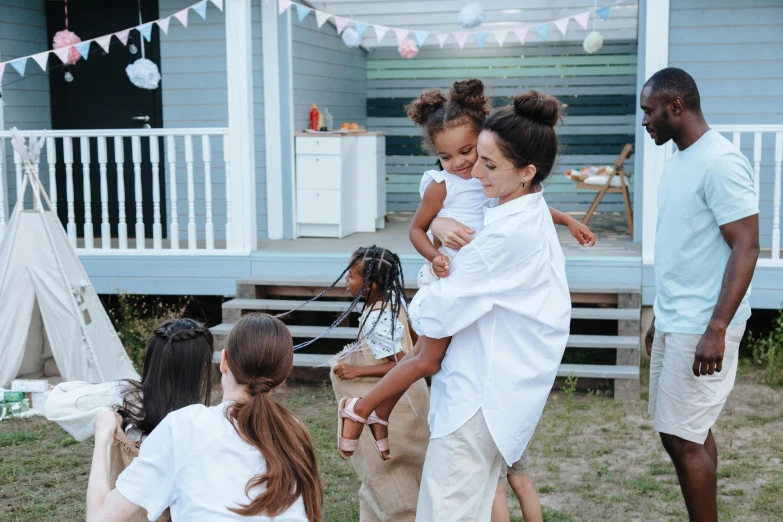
(620, 171)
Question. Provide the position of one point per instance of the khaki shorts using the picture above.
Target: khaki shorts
(520, 467)
(682, 404)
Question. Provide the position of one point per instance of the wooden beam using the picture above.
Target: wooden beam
(272, 120)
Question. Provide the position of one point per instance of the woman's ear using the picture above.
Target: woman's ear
(223, 362)
(528, 173)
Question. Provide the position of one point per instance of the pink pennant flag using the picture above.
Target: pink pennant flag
(321, 18)
(122, 36)
(583, 19)
(41, 59)
(63, 53)
(521, 34)
(562, 25)
(401, 34)
(341, 23)
(380, 31)
(163, 23)
(104, 42)
(283, 6)
(218, 3)
(442, 39)
(182, 16)
(461, 37)
(500, 36)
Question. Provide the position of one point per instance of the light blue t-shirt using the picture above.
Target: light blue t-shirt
(702, 188)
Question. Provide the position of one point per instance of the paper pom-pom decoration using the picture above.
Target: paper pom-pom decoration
(351, 37)
(144, 74)
(408, 49)
(472, 15)
(593, 42)
(65, 38)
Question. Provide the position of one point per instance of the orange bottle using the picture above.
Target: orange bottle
(314, 118)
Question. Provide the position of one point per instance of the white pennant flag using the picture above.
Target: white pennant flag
(41, 59)
(104, 42)
(461, 38)
(562, 24)
(380, 31)
(583, 19)
(283, 6)
(442, 39)
(341, 23)
(321, 18)
(63, 53)
(500, 36)
(521, 34)
(163, 23)
(218, 4)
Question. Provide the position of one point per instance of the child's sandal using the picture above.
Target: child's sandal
(380, 445)
(345, 411)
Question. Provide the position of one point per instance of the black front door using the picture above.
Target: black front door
(101, 96)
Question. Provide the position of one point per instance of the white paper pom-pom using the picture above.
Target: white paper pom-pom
(351, 37)
(472, 15)
(593, 42)
(144, 74)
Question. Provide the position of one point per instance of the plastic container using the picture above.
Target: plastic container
(328, 119)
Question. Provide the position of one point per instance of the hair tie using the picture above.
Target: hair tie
(260, 385)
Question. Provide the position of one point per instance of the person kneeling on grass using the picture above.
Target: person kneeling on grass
(247, 457)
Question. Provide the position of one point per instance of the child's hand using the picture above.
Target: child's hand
(582, 234)
(346, 372)
(440, 265)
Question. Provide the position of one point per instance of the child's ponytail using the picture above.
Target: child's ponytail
(259, 352)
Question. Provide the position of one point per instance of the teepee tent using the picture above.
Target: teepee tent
(52, 323)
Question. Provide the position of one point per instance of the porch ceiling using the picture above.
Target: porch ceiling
(441, 16)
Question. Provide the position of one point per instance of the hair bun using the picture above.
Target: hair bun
(419, 110)
(470, 94)
(541, 107)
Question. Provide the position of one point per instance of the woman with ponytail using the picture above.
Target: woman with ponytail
(245, 458)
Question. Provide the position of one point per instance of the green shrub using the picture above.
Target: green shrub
(768, 352)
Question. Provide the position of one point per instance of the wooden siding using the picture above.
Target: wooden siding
(600, 91)
(735, 53)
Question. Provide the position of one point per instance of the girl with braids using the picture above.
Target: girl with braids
(389, 490)
(246, 458)
(451, 127)
(177, 373)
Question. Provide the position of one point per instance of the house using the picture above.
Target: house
(174, 214)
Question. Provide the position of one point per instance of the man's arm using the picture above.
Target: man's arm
(742, 236)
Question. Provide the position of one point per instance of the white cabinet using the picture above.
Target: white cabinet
(340, 184)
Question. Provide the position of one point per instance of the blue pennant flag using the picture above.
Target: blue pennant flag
(20, 65)
(603, 12)
(201, 9)
(360, 28)
(145, 30)
(302, 11)
(421, 36)
(83, 48)
(542, 30)
(480, 39)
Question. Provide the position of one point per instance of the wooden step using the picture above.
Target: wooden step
(620, 342)
(598, 371)
(607, 314)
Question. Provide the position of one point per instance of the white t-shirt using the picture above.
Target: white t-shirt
(381, 340)
(195, 463)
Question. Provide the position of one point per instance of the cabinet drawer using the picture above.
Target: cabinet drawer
(318, 206)
(307, 145)
(318, 172)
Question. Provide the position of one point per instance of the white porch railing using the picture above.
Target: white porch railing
(763, 145)
(196, 201)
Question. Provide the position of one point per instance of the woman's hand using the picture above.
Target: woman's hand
(451, 233)
(346, 372)
(584, 236)
(440, 266)
(105, 425)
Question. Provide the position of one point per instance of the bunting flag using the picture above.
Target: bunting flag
(542, 30)
(201, 9)
(341, 23)
(182, 16)
(63, 53)
(105, 41)
(562, 25)
(283, 6)
(500, 36)
(163, 23)
(83, 48)
(146, 30)
(21, 64)
(2, 72)
(583, 19)
(218, 3)
(380, 31)
(481, 38)
(321, 18)
(442, 39)
(461, 37)
(41, 59)
(122, 36)
(360, 28)
(303, 11)
(421, 37)
(521, 34)
(401, 34)
(604, 12)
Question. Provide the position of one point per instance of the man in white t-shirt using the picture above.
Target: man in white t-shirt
(706, 247)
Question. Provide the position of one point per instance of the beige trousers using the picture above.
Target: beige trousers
(460, 475)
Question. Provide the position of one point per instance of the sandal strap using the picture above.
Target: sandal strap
(382, 445)
(374, 419)
(347, 444)
(348, 413)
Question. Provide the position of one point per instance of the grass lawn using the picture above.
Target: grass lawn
(592, 459)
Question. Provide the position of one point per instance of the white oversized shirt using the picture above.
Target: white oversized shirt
(506, 304)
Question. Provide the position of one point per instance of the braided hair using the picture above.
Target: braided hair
(177, 373)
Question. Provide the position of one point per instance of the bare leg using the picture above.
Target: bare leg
(527, 496)
(712, 448)
(698, 478)
(500, 506)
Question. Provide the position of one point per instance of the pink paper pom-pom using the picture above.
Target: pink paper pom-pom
(65, 38)
(408, 49)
